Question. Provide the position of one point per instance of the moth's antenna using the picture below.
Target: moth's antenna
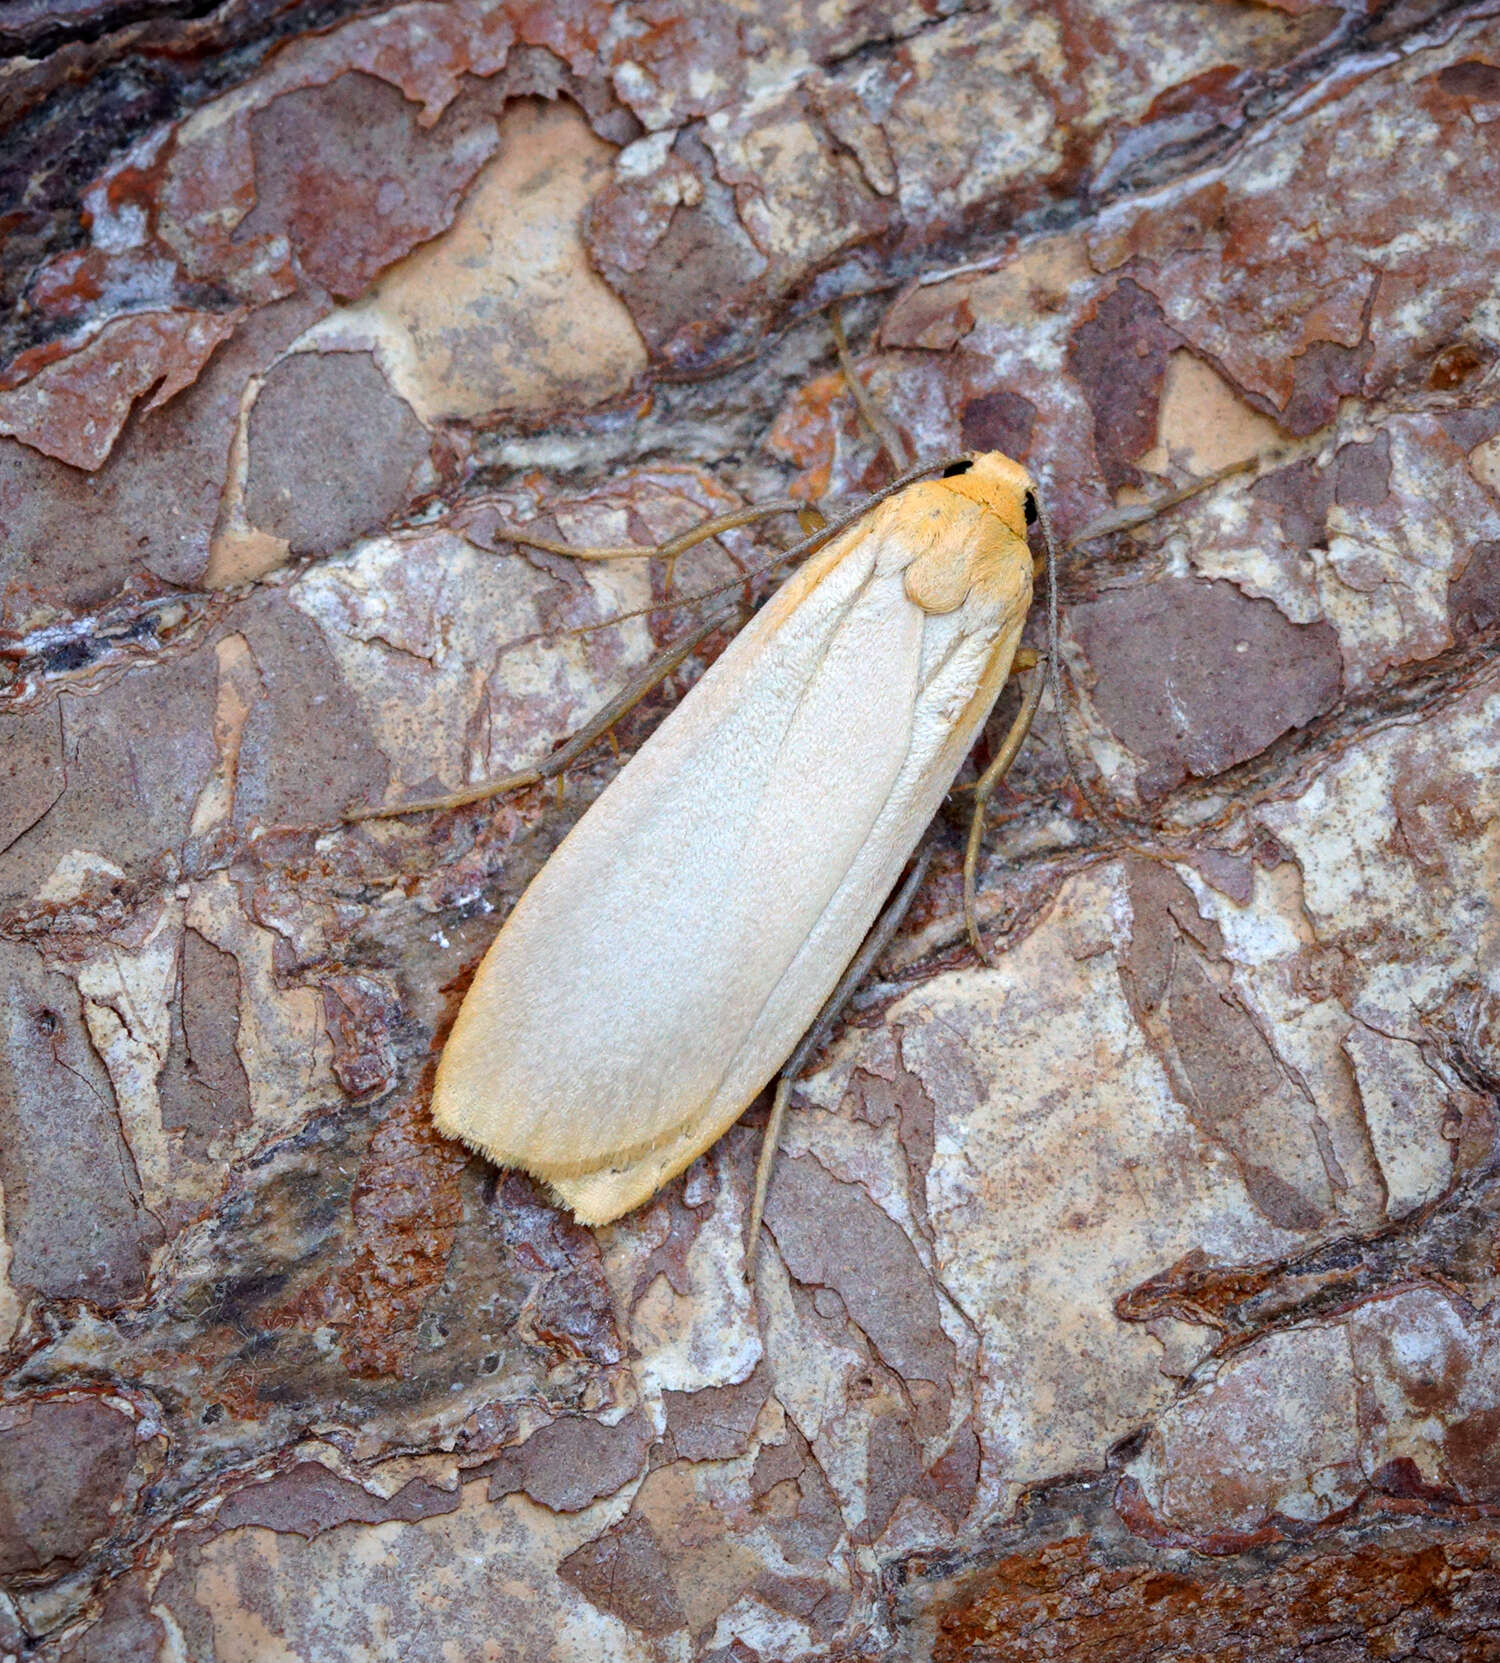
(1126, 520)
(1102, 811)
(814, 540)
(890, 439)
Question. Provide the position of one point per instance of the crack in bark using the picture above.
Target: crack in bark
(1447, 1243)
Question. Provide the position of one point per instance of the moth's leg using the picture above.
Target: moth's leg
(768, 1141)
(890, 440)
(986, 784)
(565, 755)
(875, 943)
(1132, 519)
(810, 521)
(674, 546)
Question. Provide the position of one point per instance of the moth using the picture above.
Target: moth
(662, 966)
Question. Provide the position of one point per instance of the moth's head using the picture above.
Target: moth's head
(993, 480)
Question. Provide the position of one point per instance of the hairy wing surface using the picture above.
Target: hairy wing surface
(632, 971)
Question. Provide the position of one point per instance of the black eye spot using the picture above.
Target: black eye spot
(954, 468)
(46, 1023)
(1030, 509)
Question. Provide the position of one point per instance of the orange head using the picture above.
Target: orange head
(997, 483)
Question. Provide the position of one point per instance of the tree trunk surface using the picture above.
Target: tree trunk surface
(1129, 1296)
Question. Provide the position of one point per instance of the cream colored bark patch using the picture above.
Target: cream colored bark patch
(1203, 424)
(238, 552)
(69, 880)
(1484, 464)
(265, 1594)
(503, 311)
(10, 1305)
(1404, 1101)
(1064, 1172)
(411, 623)
(706, 1337)
(240, 690)
(127, 1006)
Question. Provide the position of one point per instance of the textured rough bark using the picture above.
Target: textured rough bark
(1131, 1296)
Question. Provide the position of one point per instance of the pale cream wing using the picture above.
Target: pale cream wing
(964, 671)
(675, 947)
(603, 1015)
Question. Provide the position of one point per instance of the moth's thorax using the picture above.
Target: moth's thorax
(996, 483)
(966, 538)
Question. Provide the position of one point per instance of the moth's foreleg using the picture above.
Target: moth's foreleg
(565, 755)
(875, 943)
(985, 786)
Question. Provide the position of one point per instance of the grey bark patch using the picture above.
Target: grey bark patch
(349, 174)
(62, 1467)
(688, 278)
(31, 770)
(810, 1530)
(833, 1234)
(1471, 78)
(1221, 1066)
(893, 1470)
(309, 1499)
(1364, 473)
(953, 1479)
(1119, 358)
(204, 1089)
(716, 1423)
(1300, 495)
(1002, 421)
(626, 1572)
(1194, 677)
(573, 1461)
(74, 1217)
(128, 795)
(332, 449)
(128, 1631)
(1474, 595)
(1325, 372)
(822, 1608)
(76, 539)
(308, 747)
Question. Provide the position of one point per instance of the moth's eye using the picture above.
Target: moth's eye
(1030, 509)
(957, 468)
